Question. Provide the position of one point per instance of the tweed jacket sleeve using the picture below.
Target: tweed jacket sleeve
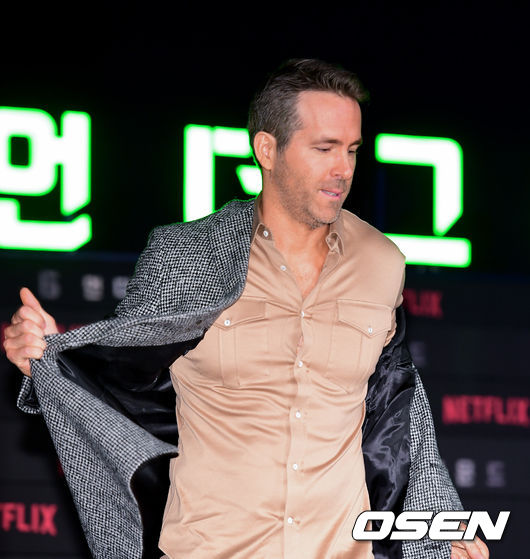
(140, 300)
(430, 487)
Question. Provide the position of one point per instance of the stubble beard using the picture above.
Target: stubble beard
(295, 201)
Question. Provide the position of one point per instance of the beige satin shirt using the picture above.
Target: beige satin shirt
(270, 406)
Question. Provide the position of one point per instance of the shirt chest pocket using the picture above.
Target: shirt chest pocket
(243, 343)
(358, 336)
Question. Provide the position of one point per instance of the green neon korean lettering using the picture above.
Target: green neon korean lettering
(47, 150)
(444, 155)
(201, 145)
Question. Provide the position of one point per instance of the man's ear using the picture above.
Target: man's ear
(265, 149)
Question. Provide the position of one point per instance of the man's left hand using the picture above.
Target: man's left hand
(473, 549)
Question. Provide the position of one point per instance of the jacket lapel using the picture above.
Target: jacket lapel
(230, 238)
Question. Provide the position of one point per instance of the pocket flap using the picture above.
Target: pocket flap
(370, 318)
(243, 310)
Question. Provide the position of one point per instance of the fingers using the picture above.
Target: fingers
(23, 334)
(457, 547)
(24, 338)
(28, 299)
(458, 553)
(483, 548)
(32, 310)
(26, 313)
(20, 349)
(26, 328)
(475, 549)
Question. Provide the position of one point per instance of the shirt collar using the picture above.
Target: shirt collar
(258, 227)
(334, 239)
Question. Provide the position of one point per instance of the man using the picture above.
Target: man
(271, 317)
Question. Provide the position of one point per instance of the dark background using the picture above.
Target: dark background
(144, 71)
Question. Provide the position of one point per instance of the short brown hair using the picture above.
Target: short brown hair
(273, 108)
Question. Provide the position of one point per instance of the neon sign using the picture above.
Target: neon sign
(445, 157)
(47, 150)
(204, 143)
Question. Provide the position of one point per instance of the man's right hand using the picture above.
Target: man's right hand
(24, 338)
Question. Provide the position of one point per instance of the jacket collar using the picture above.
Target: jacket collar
(230, 238)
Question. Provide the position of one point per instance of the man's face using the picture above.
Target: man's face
(313, 174)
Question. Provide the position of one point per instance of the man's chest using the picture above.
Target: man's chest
(336, 331)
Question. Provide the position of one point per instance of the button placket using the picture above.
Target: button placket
(296, 488)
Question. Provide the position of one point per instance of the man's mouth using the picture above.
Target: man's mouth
(331, 193)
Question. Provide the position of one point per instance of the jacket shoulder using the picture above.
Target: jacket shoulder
(178, 269)
(235, 210)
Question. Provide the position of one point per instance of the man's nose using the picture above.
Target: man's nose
(344, 166)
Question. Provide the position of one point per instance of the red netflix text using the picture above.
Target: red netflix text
(36, 518)
(486, 409)
(423, 302)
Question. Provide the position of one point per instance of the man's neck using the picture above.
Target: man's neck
(292, 237)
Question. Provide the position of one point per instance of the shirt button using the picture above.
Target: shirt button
(265, 233)
(283, 268)
(298, 415)
(370, 330)
(300, 363)
(302, 314)
(295, 467)
(227, 322)
(290, 520)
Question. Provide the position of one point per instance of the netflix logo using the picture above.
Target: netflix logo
(464, 409)
(423, 302)
(36, 518)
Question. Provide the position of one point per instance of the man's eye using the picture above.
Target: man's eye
(323, 149)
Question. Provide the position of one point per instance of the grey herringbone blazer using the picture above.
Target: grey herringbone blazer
(187, 275)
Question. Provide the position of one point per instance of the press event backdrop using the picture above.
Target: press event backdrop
(127, 116)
